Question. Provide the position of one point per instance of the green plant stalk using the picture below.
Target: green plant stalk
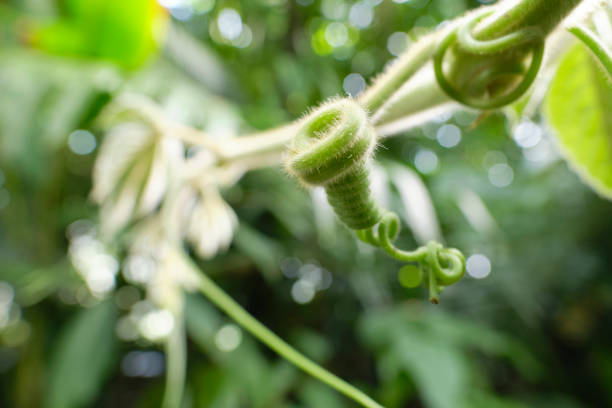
(399, 72)
(394, 109)
(224, 302)
(512, 16)
(176, 355)
(602, 54)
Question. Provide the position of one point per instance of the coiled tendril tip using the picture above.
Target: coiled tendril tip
(432, 264)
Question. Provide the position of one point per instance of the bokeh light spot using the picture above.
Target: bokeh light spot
(398, 42)
(228, 337)
(143, 364)
(448, 136)
(361, 15)
(410, 276)
(156, 325)
(527, 134)
(354, 84)
(302, 291)
(478, 266)
(425, 161)
(229, 23)
(336, 34)
(290, 267)
(82, 142)
(333, 9)
(501, 175)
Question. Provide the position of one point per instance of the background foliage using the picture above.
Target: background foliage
(534, 333)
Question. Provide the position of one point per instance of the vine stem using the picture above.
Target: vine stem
(224, 302)
(399, 72)
(514, 15)
(176, 352)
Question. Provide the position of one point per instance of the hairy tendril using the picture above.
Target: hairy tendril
(479, 92)
(332, 149)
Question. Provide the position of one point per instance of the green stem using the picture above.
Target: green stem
(264, 142)
(512, 16)
(589, 38)
(400, 71)
(216, 295)
(405, 102)
(176, 355)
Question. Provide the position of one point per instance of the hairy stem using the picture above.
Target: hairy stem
(404, 100)
(264, 142)
(399, 72)
(224, 302)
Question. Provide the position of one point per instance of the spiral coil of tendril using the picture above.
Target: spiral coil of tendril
(332, 149)
(441, 266)
(495, 48)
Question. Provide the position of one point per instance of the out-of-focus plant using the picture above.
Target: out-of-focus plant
(124, 33)
(160, 187)
(154, 194)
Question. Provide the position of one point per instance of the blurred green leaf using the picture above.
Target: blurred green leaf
(315, 394)
(263, 251)
(126, 33)
(34, 283)
(468, 334)
(82, 357)
(579, 106)
(213, 388)
(66, 95)
(485, 400)
(431, 347)
(438, 369)
(202, 321)
(314, 345)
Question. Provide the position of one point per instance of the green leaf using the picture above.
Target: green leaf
(202, 321)
(115, 30)
(579, 107)
(263, 251)
(315, 394)
(439, 369)
(36, 117)
(82, 357)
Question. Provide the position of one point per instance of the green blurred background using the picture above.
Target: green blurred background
(535, 333)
